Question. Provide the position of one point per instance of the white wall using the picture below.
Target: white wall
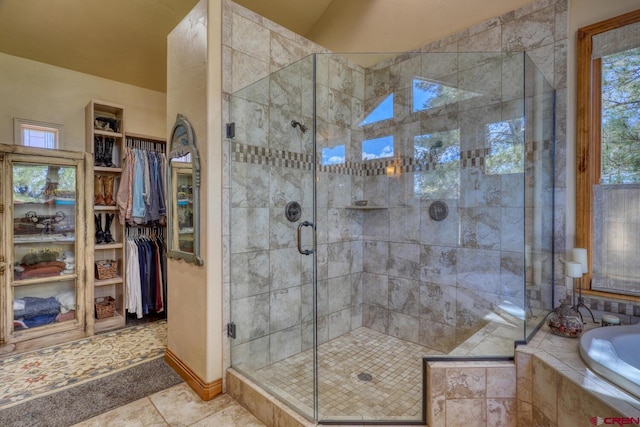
(37, 91)
(581, 14)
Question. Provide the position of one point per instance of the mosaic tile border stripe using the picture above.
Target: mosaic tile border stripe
(245, 153)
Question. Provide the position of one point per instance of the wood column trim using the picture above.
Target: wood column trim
(206, 391)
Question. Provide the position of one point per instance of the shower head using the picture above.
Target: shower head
(295, 123)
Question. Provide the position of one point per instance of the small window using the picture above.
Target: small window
(437, 157)
(377, 148)
(383, 111)
(333, 156)
(37, 134)
(506, 140)
(620, 118)
(428, 94)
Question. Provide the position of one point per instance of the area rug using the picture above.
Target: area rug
(38, 373)
(82, 402)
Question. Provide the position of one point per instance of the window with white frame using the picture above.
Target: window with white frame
(31, 133)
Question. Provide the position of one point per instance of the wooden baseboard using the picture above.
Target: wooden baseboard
(206, 391)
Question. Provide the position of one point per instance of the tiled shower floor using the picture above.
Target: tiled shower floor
(394, 392)
(395, 389)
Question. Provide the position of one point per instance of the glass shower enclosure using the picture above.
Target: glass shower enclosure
(386, 207)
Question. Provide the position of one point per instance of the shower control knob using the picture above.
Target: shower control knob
(293, 211)
(438, 210)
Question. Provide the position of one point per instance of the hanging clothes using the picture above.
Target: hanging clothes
(133, 301)
(141, 195)
(142, 207)
(146, 275)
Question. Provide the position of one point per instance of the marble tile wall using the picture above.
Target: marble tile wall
(268, 293)
(406, 276)
(540, 29)
(547, 384)
(462, 268)
(270, 287)
(471, 393)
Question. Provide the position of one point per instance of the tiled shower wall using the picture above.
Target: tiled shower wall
(421, 261)
(253, 48)
(486, 249)
(272, 293)
(435, 282)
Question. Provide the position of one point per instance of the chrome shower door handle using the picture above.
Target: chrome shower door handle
(305, 224)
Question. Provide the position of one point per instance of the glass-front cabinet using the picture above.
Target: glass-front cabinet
(43, 289)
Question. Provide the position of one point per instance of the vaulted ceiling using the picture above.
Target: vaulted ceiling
(125, 40)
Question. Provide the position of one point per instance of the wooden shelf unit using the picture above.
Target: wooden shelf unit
(105, 124)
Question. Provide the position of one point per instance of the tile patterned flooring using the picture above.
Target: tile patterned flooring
(177, 406)
(37, 373)
(394, 392)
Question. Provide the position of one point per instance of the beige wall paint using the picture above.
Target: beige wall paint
(188, 306)
(582, 13)
(399, 25)
(37, 91)
(212, 192)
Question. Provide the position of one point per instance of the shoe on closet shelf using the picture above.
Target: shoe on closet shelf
(98, 189)
(99, 233)
(108, 238)
(109, 185)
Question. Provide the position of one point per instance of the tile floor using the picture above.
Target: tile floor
(176, 406)
(393, 392)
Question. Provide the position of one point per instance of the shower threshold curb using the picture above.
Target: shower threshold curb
(271, 411)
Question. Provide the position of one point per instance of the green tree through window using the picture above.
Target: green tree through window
(621, 117)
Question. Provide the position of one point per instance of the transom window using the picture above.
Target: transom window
(37, 134)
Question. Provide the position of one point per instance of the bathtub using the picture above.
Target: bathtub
(612, 352)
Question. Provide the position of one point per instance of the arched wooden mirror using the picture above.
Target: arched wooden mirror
(183, 181)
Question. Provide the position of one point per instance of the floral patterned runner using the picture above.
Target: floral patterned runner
(34, 374)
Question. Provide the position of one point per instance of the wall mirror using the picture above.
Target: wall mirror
(183, 183)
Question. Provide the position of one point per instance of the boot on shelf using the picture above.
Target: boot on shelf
(107, 154)
(99, 232)
(99, 151)
(98, 189)
(108, 190)
(108, 238)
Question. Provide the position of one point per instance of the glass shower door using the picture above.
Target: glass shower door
(369, 362)
(272, 234)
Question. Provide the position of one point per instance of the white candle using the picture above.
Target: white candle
(580, 255)
(573, 269)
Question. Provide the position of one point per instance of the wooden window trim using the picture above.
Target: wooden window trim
(588, 131)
